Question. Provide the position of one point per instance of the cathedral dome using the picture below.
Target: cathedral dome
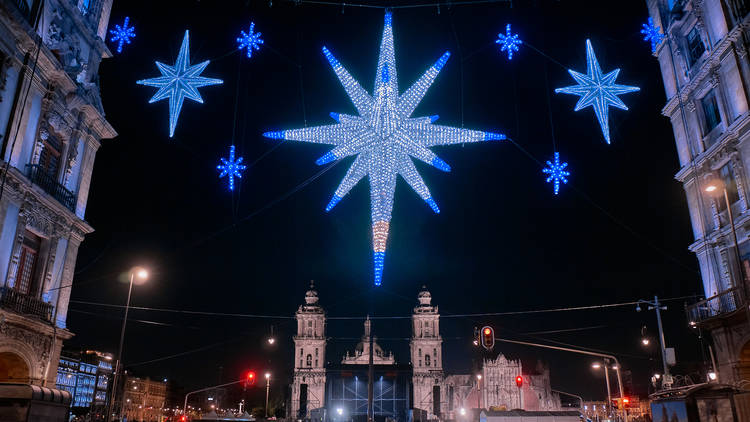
(424, 297)
(311, 297)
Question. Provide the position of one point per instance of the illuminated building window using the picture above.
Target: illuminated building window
(27, 262)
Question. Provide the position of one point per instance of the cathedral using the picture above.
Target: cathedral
(415, 390)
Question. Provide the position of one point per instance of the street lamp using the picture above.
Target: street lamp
(655, 305)
(140, 274)
(268, 387)
(715, 187)
(597, 365)
(479, 392)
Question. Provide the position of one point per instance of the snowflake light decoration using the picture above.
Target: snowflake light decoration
(508, 42)
(122, 34)
(652, 33)
(556, 171)
(179, 82)
(597, 90)
(250, 40)
(231, 168)
(384, 138)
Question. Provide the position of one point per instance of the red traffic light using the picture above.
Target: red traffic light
(625, 402)
(251, 377)
(488, 337)
(519, 381)
(183, 418)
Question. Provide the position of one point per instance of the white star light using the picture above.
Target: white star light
(597, 90)
(384, 138)
(179, 82)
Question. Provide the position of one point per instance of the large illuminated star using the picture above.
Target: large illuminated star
(384, 138)
(597, 90)
(179, 82)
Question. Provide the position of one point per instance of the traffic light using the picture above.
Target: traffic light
(183, 418)
(625, 402)
(250, 378)
(519, 381)
(488, 337)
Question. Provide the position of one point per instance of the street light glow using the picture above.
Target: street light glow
(268, 375)
(712, 376)
(271, 340)
(462, 411)
(645, 341)
(340, 411)
(711, 188)
(596, 365)
(479, 376)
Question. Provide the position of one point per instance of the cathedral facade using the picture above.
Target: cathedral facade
(417, 390)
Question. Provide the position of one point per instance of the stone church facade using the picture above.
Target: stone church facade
(427, 380)
(51, 125)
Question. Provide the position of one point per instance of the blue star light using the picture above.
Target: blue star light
(231, 168)
(508, 42)
(249, 40)
(597, 90)
(652, 33)
(557, 172)
(384, 138)
(179, 82)
(122, 34)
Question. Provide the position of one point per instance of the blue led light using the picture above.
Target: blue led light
(652, 33)
(122, 34)
(384, 138)
(556, 171)
(179, 82)
(326, 158)
(434, 118)
(250, 40)
(334, 116)
(508, 42)
(597, 90)
(231, 168)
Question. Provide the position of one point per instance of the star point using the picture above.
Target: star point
(179, 82)
(597, 90)
(250, 40)
(508, 42)
(384, 138)
(122, 34)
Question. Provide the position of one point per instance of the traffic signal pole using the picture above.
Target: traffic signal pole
(583, 352)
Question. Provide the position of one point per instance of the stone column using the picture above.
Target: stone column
(15, 257)
(715, 214)
(739, 173)
(48, 267)
(66, 280)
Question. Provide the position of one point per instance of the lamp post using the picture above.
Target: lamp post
(479, 394)
(655, 305)
(268, 388)
(140, 274)
(597, 365)
(714, 187)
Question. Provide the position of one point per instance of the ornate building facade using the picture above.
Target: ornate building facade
(51, 124)
(308, 385)
(706, 71)
(340, 391)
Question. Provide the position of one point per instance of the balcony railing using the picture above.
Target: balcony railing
(41, 178)
(14, 301)
(722, 304)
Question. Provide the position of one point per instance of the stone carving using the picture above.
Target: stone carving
(38, 342)
(58, 123)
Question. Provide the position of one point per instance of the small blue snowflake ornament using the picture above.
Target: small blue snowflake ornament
(597, 90)
(508, 42)
(231, 168)
(652, 33)
(556, 171)
(250, 40)
(122, 34)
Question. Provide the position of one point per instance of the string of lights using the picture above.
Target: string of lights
(461, 315)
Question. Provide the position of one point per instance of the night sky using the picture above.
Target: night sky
(503, 242)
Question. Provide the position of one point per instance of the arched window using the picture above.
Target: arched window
(426, 360)
(309, 328)
(309, 360)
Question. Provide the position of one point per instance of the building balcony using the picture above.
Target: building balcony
(723, 304)
(49, 184)
(13, 301)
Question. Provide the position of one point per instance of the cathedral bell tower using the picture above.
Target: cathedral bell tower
(426, 355)
(308, 388)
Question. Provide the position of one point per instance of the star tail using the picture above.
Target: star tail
(386, 71)
(356, 172)
(602, 114)
(379, 239)
(413, 96)
(361, 99)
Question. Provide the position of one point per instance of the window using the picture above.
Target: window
(27, 262)
(84, 6)
(316, 362)
(309, 360)
(420, 352)
(726, 174)
(300, 352)
(426, 360)
(300, 363)
(695, 45)
(710, 112)
(49, 159)
(316, 352)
